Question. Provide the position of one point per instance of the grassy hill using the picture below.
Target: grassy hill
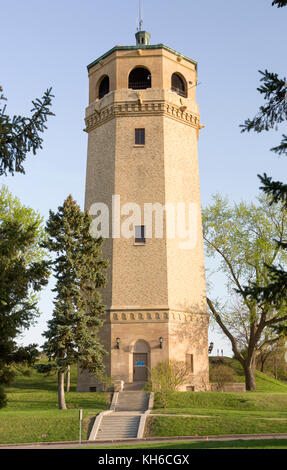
(212, 413)
(32, 413)
(264, 383)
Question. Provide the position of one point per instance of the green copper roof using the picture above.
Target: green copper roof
(131, 48)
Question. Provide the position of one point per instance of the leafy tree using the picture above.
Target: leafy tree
(24, 270)
(72, 334)
(238, 323)
(241, 237)
(271, 359)
(20, 135)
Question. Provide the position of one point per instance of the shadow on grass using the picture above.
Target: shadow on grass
(37, 382)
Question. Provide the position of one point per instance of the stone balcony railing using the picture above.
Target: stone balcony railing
(150, 101)
(150, 95)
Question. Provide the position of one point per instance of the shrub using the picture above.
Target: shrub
(217, 361)
(167, 378)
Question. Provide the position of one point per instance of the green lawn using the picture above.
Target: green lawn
(187, 402)
(32, 413)
(183, 426)
(263, 411)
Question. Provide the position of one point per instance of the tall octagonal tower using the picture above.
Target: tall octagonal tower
(143, 127)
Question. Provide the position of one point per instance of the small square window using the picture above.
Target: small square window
(139, 234)
(140, 137)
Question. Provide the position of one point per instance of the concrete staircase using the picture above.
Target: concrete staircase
(124, 421)
(139, 386)
(132, 401)
(118, 427)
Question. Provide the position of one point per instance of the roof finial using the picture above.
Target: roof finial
(142, 37)
(140, 16)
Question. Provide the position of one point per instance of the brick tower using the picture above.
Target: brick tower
(143, 126)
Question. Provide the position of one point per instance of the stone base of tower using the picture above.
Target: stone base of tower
(139, 340)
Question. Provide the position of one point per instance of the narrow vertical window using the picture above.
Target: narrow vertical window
(140, 234)
(189, 362)
(140, 137)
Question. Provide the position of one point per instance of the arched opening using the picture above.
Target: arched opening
(140, 79)
(104, 87)
(178, 85)
(141, 351)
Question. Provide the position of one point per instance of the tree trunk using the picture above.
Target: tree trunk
(275, 367)
(263, 360)
(61, 391)
(249, 372)
(68, 379)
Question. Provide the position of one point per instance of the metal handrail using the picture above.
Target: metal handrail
(179, 91)
(140, 85)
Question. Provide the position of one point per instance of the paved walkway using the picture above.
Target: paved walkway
(110, 444)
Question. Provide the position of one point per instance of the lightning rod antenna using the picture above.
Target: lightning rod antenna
(140, 16)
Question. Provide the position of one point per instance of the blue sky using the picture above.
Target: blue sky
(47, 44)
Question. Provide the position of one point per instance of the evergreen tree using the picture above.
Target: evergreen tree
(72, 334)
(274, 112)
(280, 3)
(20, 135)
(24, 270)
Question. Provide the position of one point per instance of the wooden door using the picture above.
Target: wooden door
(140, 367)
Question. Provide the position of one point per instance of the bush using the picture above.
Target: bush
(216, 361)
(167, 378)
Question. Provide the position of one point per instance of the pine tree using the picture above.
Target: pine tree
(280, 3)
(274, 112)
(270, 115)
(72, 334)
(20, 135)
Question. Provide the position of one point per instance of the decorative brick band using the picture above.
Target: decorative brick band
(180, 317)
(139, 316)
